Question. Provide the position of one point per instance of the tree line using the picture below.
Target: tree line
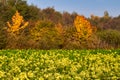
(24, 26)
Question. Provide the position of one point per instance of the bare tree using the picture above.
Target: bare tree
(4, 2)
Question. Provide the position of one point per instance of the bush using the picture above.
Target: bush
(2, 40)
(112, 37)
(44, 35)
(2, 36)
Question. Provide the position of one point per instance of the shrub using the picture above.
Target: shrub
(112, 37)
(2, 35)
(45, 35)
(2, 40)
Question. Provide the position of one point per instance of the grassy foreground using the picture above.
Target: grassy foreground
(59, 64)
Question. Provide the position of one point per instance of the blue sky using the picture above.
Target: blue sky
(84, 7)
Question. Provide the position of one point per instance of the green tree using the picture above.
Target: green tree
(106, 15)
(2, 37)
(112, 37)
(47, 35)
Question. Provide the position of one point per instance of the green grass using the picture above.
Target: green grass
(59, 64)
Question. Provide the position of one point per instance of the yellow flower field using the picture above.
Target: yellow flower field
(59, 64)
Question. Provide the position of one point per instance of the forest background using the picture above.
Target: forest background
(24, 26)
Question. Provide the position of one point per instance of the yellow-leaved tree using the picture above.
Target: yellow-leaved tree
(83, 27)
(15, 31)
(17, 24)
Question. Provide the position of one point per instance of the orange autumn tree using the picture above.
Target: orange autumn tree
(17, 23)
(83, 27)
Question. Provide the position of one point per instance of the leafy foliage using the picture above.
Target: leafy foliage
(83, 27)
(50, 29)
(2, 39)
(15, 31)
(45, 35)
(17, 23)
(111, 37)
